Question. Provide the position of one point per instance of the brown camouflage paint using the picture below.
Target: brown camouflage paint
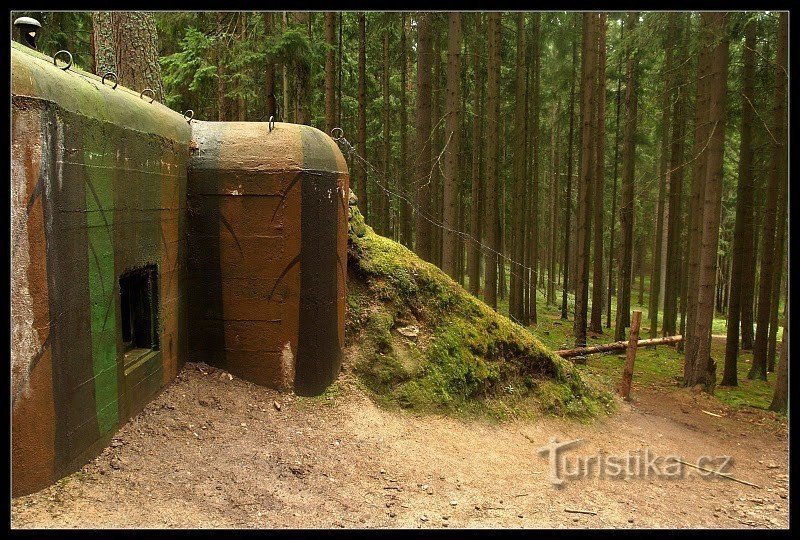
(98, 184)
(267, 251)
(251, 265)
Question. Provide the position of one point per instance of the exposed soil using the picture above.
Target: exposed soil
(216, 451)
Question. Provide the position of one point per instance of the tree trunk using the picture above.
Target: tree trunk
(330, 68)
(626, 206)
(518, 180)
(452, 150)
(474, 253)
(780, 240)
(361, 142)
(776, 177)
(596, 323)
(437, 144)
(222, 102)
(385, 224)
(136, 49)
(555, 140)
(613, 233)
(269, 73)
(286, 93)
(585, 180)
(492, 224)
(241, 105)
(701, 141)
(744, 208)
(674, 249)
(533, 238)
(702, 368)
(103, 43)
(406, 233)
(423, 112)
(780, 399)
(658, 251)
(568, 200)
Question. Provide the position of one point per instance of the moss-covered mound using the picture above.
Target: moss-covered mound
(417, 339)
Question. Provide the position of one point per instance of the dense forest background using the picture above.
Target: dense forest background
(590, 161)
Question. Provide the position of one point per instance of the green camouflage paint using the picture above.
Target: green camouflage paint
(99, 190)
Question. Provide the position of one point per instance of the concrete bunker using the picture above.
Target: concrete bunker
(121, 271)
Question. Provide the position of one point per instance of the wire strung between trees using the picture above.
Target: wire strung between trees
(366, 166)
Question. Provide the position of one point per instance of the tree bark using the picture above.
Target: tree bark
(780, 240)
(269, 72)
(452, 150)
(702, 369)
(406, 232)
(492, 224)
(423, 112)
(780, 399)
(658, 251)
(744, 208)
(626, 206)
(533, 238)
(361, 142)
(515, 300)
(776, 177)
(613, 233)
(596, 323)
(136, 50)
(385, 223)
(568, 199)
(585, 180)
(105, 60)
(701, 141)
(474, 253)
(674, 251)
(330, 88)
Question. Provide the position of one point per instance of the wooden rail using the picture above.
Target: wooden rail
(618, 346)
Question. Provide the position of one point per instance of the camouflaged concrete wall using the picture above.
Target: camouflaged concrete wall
(98, 187)
(267, 252)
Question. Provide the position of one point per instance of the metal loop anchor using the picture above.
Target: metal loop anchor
(69, 64)
(271, 123)
(333, 133)
(188, 116)
(110, 75)
(152, 94)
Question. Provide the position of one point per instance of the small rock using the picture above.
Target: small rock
(276, 405)
(630, 520)
(423, 518)
(575, 519)
(411, 331)
(453, 503)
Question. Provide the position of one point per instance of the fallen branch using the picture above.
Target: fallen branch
(618, 346)
(576, 511)
(711, 413)
(723, 475)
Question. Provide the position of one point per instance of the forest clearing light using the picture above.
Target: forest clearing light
(641, 463)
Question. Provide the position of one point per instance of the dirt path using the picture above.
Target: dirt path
(216, 452)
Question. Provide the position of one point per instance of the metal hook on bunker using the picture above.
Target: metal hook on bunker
(69, 63)
(110, 75)
(188, 116)
(151, 92)
(271, 123)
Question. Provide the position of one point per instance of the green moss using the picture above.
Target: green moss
(466, 358)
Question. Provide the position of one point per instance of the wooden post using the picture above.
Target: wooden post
(627, 374)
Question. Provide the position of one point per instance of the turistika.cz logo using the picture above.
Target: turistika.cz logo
(641, 463)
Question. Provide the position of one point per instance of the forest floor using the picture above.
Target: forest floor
(215, 451)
